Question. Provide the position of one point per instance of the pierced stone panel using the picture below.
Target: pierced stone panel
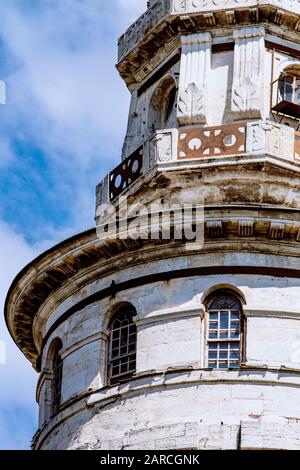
(212, 141)
(125, 173)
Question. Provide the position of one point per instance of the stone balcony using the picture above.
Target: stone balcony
(155, 34)
(198, 148)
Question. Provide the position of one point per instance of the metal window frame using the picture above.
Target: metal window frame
(129, 356)
(218, 341)
(57, 381)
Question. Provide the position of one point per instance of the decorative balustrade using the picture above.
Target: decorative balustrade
(168, 148)
(126, 173)
(212, 141)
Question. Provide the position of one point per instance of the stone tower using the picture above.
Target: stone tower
(162, 340)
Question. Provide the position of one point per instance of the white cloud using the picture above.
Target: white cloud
(62, 91)
(17, 378)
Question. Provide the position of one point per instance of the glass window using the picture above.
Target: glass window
(224, 332)
(122, 347)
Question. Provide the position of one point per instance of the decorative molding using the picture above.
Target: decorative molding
(256, 312)
(144, 24)
(248, 75)
(163, 147)
(256, 137)
(140, 51)
(194, 66)
(280, 141)
(246, 227)
(276, 231)
(275, 139)
(192, 6)
(215, 228)
(166, 315)
(212, 141)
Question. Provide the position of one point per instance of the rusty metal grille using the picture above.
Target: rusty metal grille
(126, 173)
(224, 333)
(212, 141)
(122, 347)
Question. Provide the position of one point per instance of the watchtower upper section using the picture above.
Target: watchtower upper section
(210, 63)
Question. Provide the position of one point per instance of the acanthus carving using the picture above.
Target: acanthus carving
(248, 76)
(195, 63)
(191, 103)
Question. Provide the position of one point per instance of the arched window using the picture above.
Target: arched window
(122, 346)
(162, 104)
(57, 370)
(225, 329)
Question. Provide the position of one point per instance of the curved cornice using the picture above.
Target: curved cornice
(77, 259)
(156, 32)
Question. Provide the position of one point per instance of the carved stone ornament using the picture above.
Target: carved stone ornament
(248, 75)
(195, 63)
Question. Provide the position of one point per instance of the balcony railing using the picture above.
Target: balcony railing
(173, 148)
(126, 173)
(287, 92)
(212, 141)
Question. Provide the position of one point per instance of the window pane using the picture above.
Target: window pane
(234, 354)
(223, 354)
(224, 324)
(234, 365)
(212, 354)
(122, 347)
(212, 364)
(224, 320)
(213, 316)
(235, 315)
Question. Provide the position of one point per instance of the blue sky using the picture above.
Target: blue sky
(60, 133)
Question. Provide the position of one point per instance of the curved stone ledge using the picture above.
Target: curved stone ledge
(108, 400)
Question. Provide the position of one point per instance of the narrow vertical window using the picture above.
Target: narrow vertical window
(225, 328)
(57, 379)
(122, 346)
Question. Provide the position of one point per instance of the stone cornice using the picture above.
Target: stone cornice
(144, 44)
(76, 262)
